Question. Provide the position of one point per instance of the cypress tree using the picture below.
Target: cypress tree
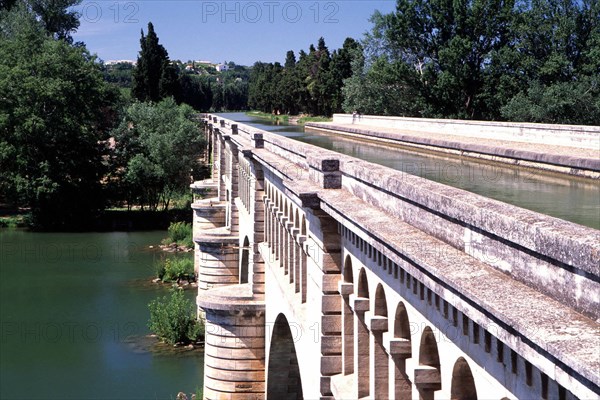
(150, 70)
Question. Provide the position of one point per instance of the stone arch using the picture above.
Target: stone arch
(401, 323)
(363, 284)
(380, 302)
(348, 274)
(402, 339)
(463, 384)
(362, 359)
(283, 374)
(428, 350)
(245, 261)
(427, 375)
(380, 363)
(297, 220)
(303, 230)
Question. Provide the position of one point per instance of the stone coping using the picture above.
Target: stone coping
(217, 235)
(579, 136)
(544, 234)
(570, 243)
(586, 159)
(207, 203)
(231, 298)
(537, 319)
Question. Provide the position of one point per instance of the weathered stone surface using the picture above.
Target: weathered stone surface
(523, 277)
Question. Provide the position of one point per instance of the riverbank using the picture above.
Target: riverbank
(288, 119)
(106, 221)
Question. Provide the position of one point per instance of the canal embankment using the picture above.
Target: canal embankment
(567, 149)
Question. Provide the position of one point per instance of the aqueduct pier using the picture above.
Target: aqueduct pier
(322, 276)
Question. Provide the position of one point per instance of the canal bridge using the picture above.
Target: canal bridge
(322, 276)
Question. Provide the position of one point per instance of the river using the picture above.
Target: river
(569, 198)
(73, 315)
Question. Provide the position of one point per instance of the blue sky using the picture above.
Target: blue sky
(217, 31)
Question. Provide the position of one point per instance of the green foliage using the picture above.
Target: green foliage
(176, 269)
(562, 102)
(304, 120)
(159, 268)
(157, 147)
(154, 78)
(180, 233)
(119, 74)
(173, 320)
(55, 111)
(483, 59)
(271, 117)
(310, 85)
(13, 221)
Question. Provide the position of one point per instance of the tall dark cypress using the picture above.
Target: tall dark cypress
(151, 62)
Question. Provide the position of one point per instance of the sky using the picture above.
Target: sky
(221, 31)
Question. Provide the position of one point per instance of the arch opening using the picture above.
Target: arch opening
(463, 384)
(283, 373)
(363, 284)
(245, 261)
(380, 361)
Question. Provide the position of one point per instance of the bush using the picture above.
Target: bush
(180, 233)
(159, 268)
(173, 319)
(176, 268)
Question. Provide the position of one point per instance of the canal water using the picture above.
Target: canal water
(73, 315)
(572, 199)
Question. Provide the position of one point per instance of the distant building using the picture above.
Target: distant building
(222, 67)
(114, 62)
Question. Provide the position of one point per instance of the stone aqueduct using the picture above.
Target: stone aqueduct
(322, 276)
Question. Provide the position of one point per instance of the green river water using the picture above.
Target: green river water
(73, 315)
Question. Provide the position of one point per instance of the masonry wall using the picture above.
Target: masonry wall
(561, 135)
(447, 255)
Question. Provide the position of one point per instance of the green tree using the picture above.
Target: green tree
(154, 78)
(157, 146)
(55, 110)
(57, 16)
(341, 69)
(558, 63)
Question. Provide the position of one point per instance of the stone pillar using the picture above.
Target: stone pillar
(257, 205)
(360, 306)
(234, 217)
(234, 353)
(218, 263)
(222, 166)
(207, 215)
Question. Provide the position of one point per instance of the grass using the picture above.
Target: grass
(14, 221)
(272, 117)
(286, 118)
(304, 120)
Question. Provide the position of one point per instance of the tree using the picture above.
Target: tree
(341, 69)
(153, 78)
(157, 147)
(55, 111)
(58, 17)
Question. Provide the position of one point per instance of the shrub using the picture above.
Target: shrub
(180, 233)
(176, 268)
(173, 319)
(159, 268)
